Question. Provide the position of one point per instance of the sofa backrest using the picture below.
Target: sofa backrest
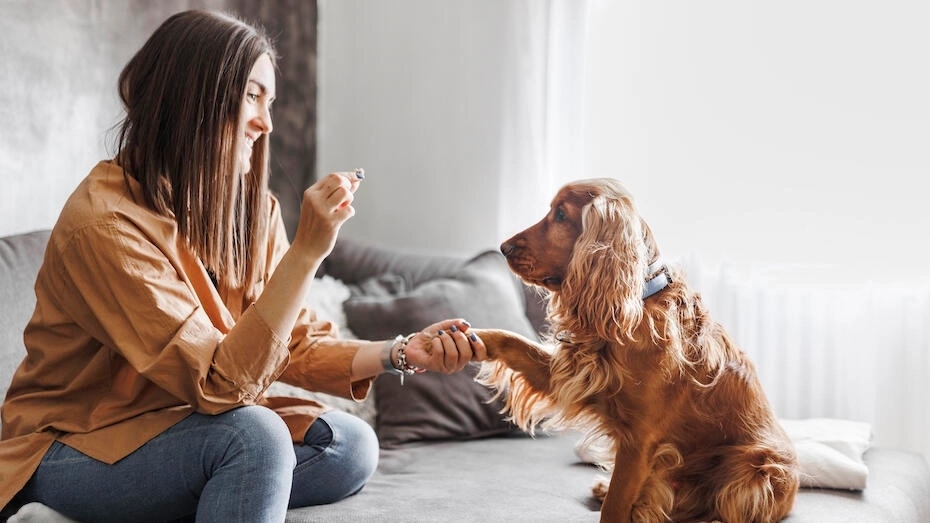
(20, 258)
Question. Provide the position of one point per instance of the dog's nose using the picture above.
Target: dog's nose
(506, 249)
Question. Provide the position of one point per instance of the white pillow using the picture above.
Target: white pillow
(325, 298)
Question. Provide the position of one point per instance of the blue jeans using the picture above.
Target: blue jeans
(237, 466)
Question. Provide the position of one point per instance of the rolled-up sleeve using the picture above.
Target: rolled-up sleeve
(321, 361)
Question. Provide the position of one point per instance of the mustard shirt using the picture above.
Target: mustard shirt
(130, 336)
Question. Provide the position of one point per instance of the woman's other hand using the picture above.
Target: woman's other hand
(446, 347)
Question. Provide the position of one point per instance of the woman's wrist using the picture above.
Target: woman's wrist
(308, 257)
(389, 356)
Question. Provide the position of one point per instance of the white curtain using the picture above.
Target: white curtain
(824, 348)
(762, 138)
(826, 345)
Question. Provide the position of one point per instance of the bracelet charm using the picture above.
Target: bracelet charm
(401, 366)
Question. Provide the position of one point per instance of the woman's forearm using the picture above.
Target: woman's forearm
(283, 297)
(367, 361)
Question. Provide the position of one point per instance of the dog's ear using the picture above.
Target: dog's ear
(606, 276)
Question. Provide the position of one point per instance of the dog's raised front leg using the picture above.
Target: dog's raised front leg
(519, 354)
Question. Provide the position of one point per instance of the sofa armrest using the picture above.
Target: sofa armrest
(20, 258)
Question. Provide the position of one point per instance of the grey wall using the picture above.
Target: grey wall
(59, 62)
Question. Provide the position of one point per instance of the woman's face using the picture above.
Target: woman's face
(255, 113)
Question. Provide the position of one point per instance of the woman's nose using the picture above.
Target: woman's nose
(264, 120)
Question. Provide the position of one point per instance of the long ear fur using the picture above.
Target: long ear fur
(603, 287)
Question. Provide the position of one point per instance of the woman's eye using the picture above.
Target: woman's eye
(253, 97)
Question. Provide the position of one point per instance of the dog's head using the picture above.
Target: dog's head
(592, 250)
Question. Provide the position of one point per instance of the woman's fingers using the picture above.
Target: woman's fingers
(450, 352)
(327, 204)
(447, 346)
(338, 188)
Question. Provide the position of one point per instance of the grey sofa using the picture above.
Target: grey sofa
(446, 453)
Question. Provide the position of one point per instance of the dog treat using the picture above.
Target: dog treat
(359, 175)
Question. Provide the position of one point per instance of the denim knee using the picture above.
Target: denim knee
(343, 466)
(264, 435)
(254, 471)
(361, 443)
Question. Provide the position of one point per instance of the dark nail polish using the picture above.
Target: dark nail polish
(473, 337)
(441, 332)
(360, 174)
(454, 328)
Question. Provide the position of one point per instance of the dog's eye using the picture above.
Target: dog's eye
(559, 215)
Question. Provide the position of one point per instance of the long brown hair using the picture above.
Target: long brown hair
(182, 92)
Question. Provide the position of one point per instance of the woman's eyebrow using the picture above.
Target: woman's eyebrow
(262, 87)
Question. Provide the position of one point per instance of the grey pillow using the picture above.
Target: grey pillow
(435, 406)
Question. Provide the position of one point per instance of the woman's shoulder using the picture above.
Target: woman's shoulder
(107, 200)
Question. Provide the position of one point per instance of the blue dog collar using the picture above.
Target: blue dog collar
(659, 281)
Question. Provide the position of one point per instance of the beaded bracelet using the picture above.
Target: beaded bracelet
(401, 367)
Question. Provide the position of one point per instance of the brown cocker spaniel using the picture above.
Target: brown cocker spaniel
(636, 360)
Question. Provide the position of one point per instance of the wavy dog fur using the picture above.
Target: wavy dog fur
(674, 407)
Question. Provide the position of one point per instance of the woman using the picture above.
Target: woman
(170, 299)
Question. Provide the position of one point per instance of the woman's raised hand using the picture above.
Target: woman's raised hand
(326, 205)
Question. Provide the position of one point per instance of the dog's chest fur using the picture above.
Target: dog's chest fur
(617, 383)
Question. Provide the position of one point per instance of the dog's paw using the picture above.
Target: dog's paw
(599, 489)
(595, 450)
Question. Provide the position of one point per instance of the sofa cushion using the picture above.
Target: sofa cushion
(513, 478)
(20, 258)
(435, 406)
